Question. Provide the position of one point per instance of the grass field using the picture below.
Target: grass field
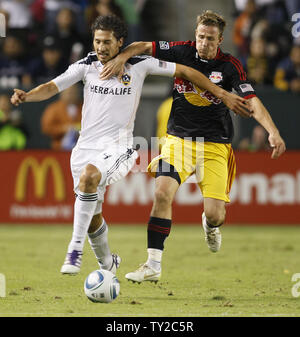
(250, 276)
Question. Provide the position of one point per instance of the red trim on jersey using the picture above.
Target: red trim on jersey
(239, 66)
(234, 61)
(249, 96)
(218, 54)
(182, 43)
(153, 48)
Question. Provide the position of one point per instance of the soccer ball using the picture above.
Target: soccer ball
(101, 286)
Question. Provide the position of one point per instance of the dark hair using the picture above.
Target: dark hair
(111, 23)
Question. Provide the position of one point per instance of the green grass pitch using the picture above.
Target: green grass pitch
(250, 276)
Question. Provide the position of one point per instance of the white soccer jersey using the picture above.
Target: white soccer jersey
(109, 106)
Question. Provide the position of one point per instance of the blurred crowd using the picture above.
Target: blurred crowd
(265, 44)
(44, 36)
(268, 50)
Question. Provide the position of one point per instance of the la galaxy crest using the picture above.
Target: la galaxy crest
(126, 79)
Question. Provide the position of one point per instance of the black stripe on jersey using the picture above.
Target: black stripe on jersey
(92, 57)
(137, 59)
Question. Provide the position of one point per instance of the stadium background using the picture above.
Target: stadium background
(36, 182)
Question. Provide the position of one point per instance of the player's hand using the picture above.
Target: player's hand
(237, 104)
(278, 145)
(114, 67)
(18, 97)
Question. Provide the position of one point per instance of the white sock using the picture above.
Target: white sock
(207, 229)
(84, 208)
(99, 243)
(154, 258)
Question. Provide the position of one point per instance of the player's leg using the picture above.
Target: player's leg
(159, 226)
(98, 239)
(84, 208)
(160, 221)
(115, 164)
(170, 169)
(215, 184)
(212, 218)
(215, 212)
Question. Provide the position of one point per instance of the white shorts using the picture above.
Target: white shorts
(113, 163)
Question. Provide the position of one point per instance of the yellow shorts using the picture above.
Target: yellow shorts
(213, 164)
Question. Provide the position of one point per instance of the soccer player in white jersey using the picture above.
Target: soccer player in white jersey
(104, 153)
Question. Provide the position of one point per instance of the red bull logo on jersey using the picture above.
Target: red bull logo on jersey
(210, 97)
(184, 86)
(216, 77)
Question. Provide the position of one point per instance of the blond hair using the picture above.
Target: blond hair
(210, 18)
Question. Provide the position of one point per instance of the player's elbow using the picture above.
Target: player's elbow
(182, 72)
(254, 103)
(147, 47)
(257, 108)
(142, 47)
(47, 90)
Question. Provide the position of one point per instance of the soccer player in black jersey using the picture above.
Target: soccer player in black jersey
(199, 124)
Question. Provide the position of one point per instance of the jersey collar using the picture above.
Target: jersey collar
(219, 53)
(200, 59)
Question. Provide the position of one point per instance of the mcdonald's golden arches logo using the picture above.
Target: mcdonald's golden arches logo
(39, 172)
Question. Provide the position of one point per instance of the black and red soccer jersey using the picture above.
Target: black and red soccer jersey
(196, 112)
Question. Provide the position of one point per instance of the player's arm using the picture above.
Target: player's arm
(261, 114)
(72, 75)
(232, 101)
(116, 65)
(40, 93)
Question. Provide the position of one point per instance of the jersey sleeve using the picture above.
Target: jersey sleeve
(153, 66)
(169, 51)
(238, 79)
(72, 75)
(159, 67)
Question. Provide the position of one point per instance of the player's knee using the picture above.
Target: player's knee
(89, 179)
(162, 198)
(215, 217)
